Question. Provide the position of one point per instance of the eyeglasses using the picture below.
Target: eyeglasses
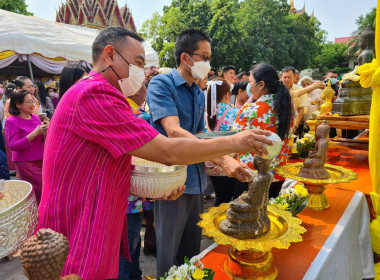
(30, 102)
(205, 58)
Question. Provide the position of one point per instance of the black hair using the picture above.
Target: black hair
(239, 85)
(19, 82)
(70, 75)
(17, 98)
(221, 91)
(228, 68)
(332, 71)
(282, 100)
(187, 42)
(9, 89)
(111, 36)
(41, 93)
(289, 68)
(241, 74)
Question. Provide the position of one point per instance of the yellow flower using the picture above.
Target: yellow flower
(302, 141)
(198, 274)
(336, 115)
(301, 190)
(294, 150)
(305, 139)
(282, 206)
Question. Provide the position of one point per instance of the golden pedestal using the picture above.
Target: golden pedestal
(316, 187)
(252, 258)
(250, 265)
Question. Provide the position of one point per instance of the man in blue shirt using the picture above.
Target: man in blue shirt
(177, 107)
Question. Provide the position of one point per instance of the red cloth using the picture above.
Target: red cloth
(86, 174)
(296, 260)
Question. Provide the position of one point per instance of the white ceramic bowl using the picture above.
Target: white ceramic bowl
(18, 215)
(154, 180)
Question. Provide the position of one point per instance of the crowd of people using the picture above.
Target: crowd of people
(75, 147)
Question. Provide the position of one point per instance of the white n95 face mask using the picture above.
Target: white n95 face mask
(200, 69)
(131, 85)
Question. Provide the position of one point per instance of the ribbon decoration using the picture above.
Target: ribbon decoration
(370, 77)
(213, 85)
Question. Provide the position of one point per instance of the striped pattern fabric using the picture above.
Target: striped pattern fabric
(11, 165)
(86, 175)
(31, 171)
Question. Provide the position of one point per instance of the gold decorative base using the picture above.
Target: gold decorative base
(317, 198)
(246, 265)
(316, 187)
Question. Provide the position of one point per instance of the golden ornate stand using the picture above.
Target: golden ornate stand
(316, 187)
(252, 258)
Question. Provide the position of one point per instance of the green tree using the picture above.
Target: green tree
(277, 37)
(241, 32)
(16, 6)
(225, 33)
(331, 56)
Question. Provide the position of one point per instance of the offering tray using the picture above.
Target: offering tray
(316, 187)
(252, 258)
(18, 215)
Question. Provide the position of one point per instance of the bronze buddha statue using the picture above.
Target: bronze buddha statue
(247, 216)
(314, 165)
(354, 99)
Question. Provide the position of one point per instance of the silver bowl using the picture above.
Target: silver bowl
(154, 180)
(18, 215)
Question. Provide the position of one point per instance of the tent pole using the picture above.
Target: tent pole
(30, 69)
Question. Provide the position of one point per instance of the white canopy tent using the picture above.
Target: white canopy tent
(48, 45)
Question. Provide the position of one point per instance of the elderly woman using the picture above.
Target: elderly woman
(273, 111)
(314, 96)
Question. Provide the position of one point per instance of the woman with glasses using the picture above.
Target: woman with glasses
(273, 110)
(24, 134)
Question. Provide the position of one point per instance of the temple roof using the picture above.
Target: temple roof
(95, 14)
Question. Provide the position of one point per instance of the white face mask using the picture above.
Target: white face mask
(200, 69)
(129, 86)
(51, 94)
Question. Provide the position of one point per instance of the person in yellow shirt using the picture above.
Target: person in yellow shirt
(298, 94)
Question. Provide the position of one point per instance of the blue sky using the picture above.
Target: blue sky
(337, 17)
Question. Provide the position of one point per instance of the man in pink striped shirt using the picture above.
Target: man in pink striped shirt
(87, 160)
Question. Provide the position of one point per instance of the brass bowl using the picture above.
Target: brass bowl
(154, 180)
(18, 215)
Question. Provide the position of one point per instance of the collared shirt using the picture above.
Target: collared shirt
(86, 174)
(261, 115)
(171, 95)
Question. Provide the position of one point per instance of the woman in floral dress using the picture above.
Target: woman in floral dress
(222, 118)
(273, 111)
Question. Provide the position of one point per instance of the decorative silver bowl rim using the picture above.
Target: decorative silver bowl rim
(21, 202)
(156, 169)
